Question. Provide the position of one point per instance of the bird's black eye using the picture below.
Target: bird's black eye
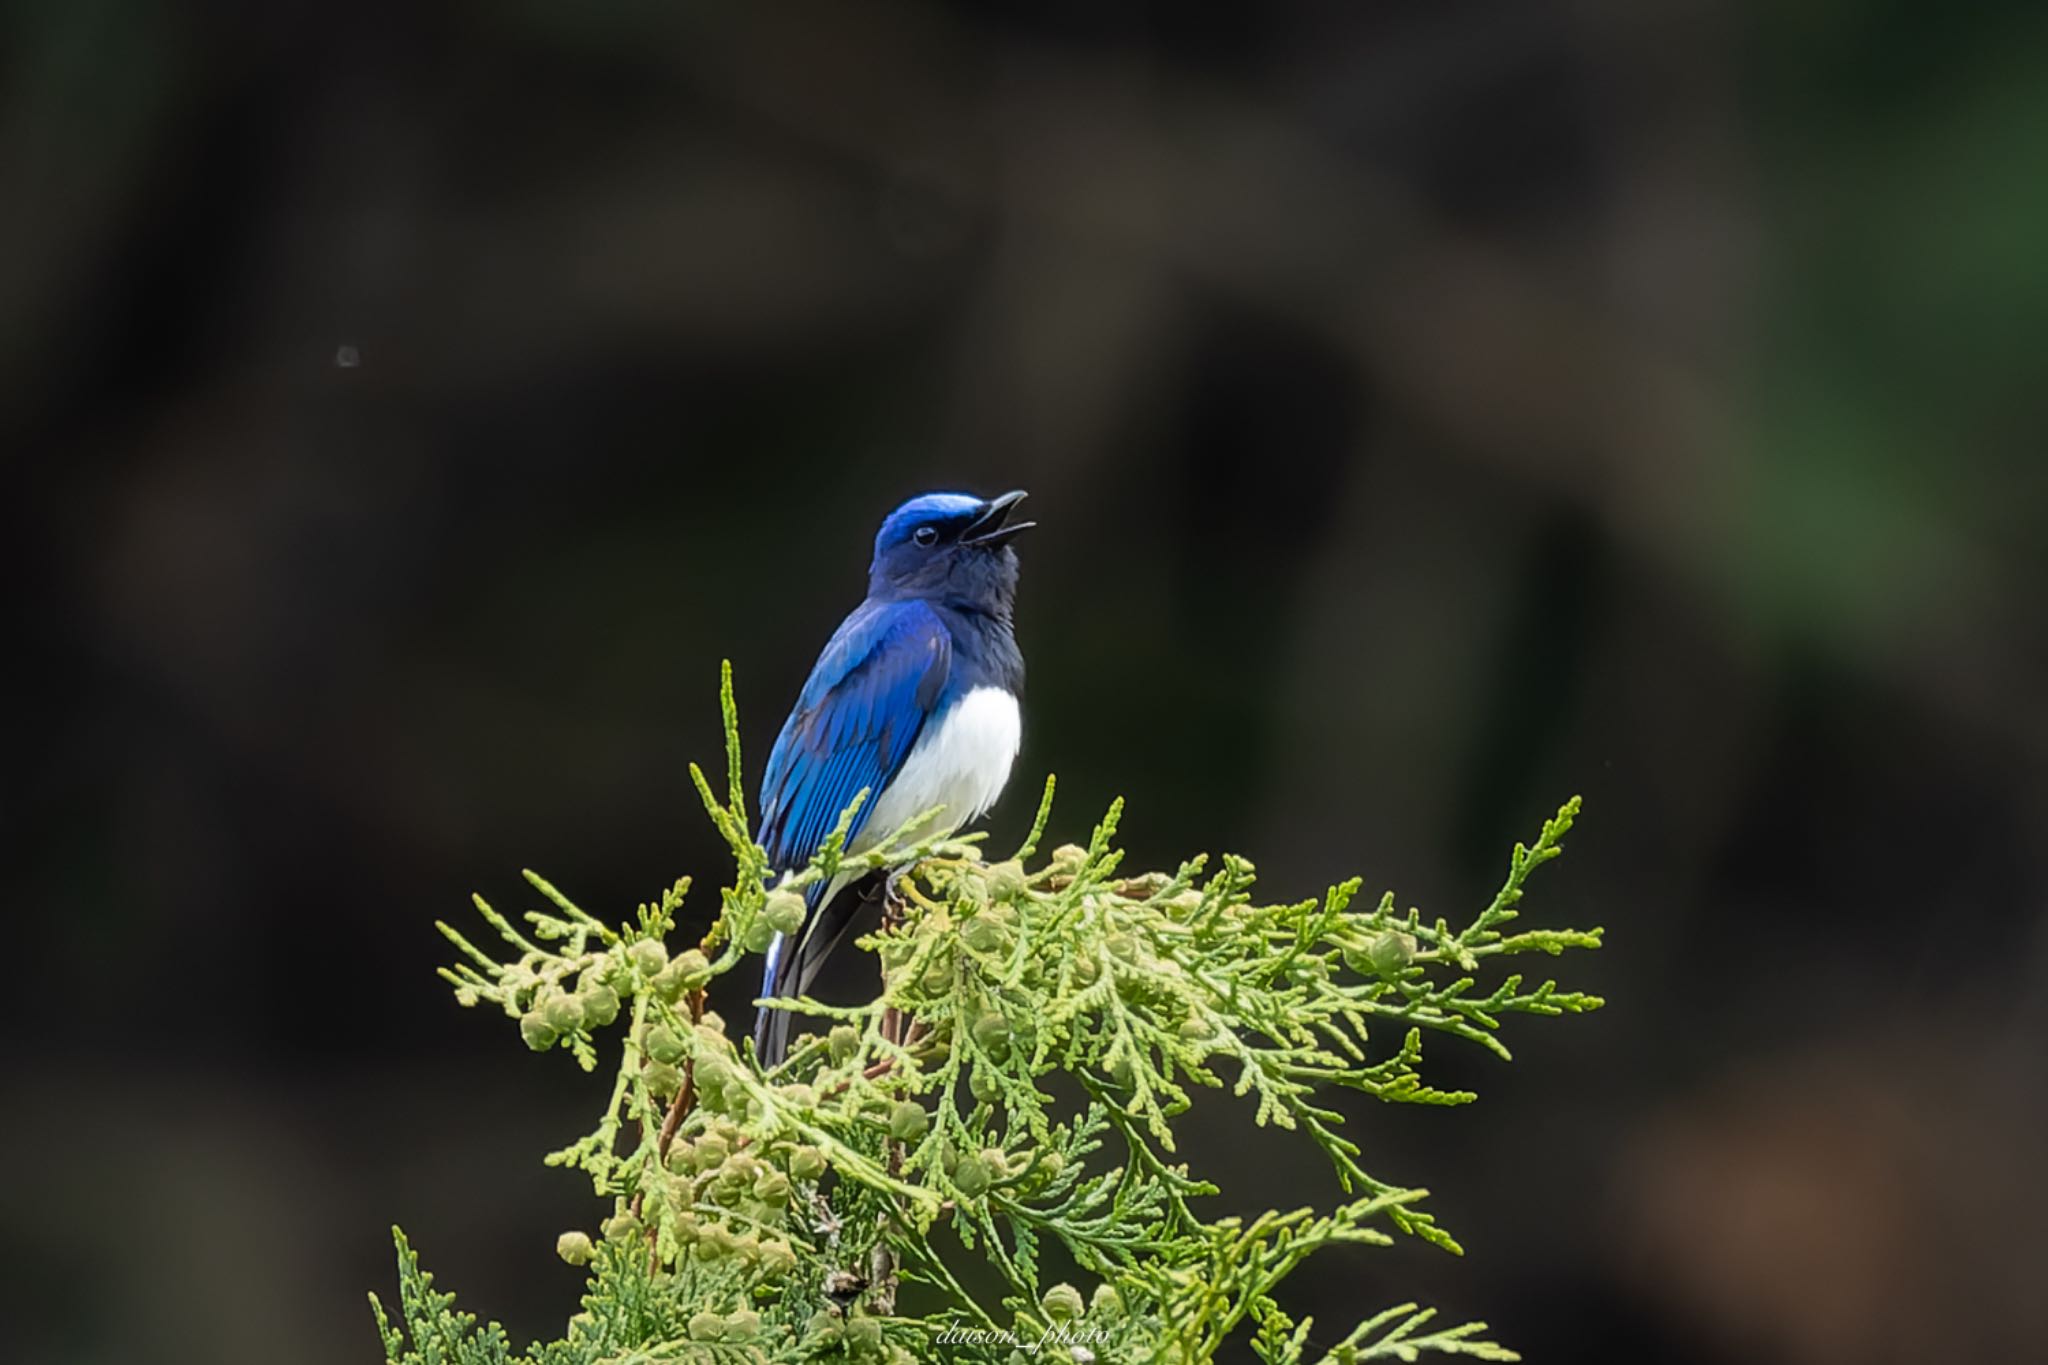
(926, 535)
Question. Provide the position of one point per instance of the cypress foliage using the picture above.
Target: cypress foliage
(910, 1181)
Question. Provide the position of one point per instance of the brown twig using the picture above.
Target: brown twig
(684, 1101)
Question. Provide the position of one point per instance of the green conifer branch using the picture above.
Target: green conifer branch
(774, 1216)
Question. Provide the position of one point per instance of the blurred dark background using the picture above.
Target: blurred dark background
(1431, 410)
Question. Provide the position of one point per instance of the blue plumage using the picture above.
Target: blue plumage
(880, 677)
(914, 699)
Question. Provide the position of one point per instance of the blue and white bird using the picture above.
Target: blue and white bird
(915, 698)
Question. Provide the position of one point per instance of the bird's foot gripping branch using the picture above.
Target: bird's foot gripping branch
(927, 1175)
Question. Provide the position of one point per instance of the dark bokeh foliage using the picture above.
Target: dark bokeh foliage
(1430, 411)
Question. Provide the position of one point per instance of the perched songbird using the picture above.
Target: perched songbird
(915, 698)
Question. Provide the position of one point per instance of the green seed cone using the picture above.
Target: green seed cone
(807, 1163)
(992, 1032)
(1062, 1303)
(1006, 881)
(575, 1248)
(714, 1242)
(600, 1005)
(649, 957)
(662, 1079)
(539, 1034)
(663, 1045)
(971, 1177)
(564, 1013)
(1390, 953)
(908, 1122)
(784, 911)
(689, 972)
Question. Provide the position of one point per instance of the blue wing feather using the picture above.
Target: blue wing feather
(856, 721)
(876, 682)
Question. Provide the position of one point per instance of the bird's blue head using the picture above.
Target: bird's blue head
(952, 548)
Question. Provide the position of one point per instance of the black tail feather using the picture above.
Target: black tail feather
(824, 930)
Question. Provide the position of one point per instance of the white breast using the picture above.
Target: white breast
(961, 763)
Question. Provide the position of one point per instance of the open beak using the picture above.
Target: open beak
(993, 526)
